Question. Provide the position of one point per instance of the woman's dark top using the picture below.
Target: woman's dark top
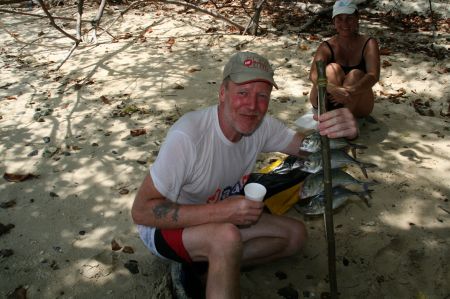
(360, 66)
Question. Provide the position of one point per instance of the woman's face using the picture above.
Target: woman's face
(346, 25)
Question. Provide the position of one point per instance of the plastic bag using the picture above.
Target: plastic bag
(283, 181)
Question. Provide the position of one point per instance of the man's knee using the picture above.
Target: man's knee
(226, 240)
(297, 238)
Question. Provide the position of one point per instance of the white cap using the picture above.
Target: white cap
(344, 7)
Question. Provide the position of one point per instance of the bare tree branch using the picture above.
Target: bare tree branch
(96, 21)
(75, 45)
(52, 22)
(79, 14)
(254, 22)
(78, 40)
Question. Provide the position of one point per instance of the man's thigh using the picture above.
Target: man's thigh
(203, 239)
(272, 226)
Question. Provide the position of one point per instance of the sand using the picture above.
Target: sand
(72, 131)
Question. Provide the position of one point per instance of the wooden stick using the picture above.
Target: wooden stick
(326, 162)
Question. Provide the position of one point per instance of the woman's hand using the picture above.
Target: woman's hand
(341, 95)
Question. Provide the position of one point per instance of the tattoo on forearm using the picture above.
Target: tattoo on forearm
(164, 209)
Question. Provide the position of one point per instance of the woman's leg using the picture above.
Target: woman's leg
(363, 102)
(335, 76)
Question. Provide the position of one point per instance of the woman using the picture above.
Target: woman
(352, 64)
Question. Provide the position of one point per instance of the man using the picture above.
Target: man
(189, 208)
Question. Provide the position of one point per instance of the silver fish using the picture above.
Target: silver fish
(316, 205)
(313, 183)
(312, 143)
(339, 158)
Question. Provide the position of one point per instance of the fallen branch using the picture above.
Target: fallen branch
(14, 36)
(7, 2)
(311, 21)
(35, 15)
(203, 10)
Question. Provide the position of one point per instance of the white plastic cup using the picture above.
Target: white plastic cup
(255, 191)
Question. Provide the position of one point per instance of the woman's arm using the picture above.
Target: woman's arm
(372, 59)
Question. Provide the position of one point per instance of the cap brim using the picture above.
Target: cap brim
(242, 78)
(344, 11)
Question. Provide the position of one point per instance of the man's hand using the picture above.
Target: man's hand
(241, 211)
(338, 123)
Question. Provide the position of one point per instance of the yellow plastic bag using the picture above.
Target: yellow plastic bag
(283, 183)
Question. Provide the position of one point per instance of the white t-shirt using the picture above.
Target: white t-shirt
(198, 164)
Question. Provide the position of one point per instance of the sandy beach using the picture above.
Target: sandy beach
(76, 143)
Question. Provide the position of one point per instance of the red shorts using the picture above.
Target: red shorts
(169, 244)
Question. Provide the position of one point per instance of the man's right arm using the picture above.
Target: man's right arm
(151, 208)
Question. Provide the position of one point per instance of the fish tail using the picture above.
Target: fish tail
(364, 166)
(365, 195)
(366, 186)
(364, 171)
(354, 147)
(357, 146)
(368, 165)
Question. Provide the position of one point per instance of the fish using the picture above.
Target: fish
(313, 183)
(312, 143)
(315, 205)
(339, 158)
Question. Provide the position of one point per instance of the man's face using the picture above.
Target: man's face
(242, 107)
